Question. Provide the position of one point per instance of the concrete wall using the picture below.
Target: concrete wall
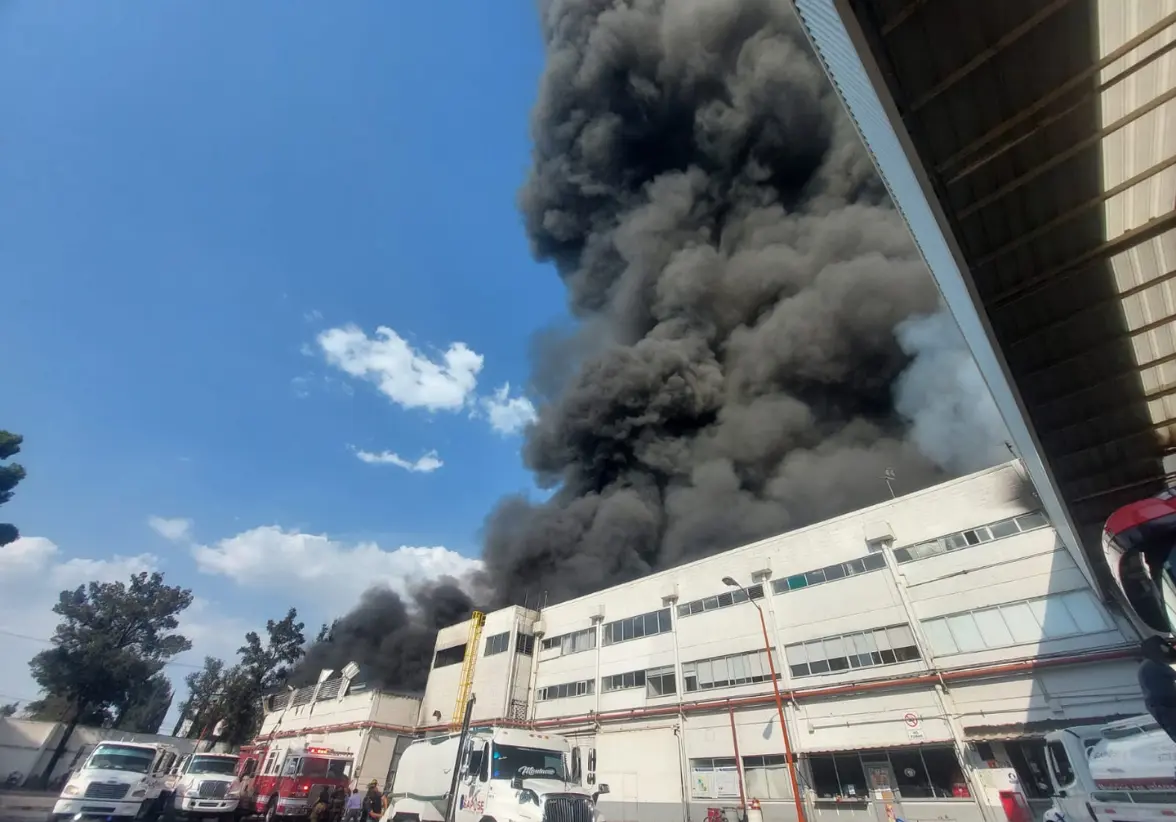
(498, 678)
(26, 746)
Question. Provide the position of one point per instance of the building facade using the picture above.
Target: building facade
(915, 643)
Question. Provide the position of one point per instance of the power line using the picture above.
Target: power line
(43, 641)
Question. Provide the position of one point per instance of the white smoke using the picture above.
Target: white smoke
(953, 418)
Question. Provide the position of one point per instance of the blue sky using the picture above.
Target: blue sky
(197, 198)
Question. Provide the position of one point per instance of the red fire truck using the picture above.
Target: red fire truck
(282, 778)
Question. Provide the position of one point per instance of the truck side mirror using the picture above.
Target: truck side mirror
(602, 788)
(516, 783)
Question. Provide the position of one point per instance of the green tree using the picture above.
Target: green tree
(10, 475)
(8, 710)
(262, 668)
(204, 689)
(145, 706)
(111, 636)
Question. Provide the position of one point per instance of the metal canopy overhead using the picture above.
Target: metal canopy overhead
(1044, 132)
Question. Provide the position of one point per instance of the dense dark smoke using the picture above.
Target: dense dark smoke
(757, 339)
(754, 310)
(392, 639)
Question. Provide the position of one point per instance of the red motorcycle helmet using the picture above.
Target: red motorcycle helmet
(1137, 542)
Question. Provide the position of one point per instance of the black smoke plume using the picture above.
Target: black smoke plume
(391, 639)
(757, 342)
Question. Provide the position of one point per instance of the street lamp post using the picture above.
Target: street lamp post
(800, 815)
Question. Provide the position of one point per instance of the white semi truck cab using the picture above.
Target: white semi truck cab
(1124, 771)
(119, 780)
(200, 787)
(504, 775)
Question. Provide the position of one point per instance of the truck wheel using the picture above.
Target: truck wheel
(406, 817)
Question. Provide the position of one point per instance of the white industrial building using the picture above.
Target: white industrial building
(916, 642)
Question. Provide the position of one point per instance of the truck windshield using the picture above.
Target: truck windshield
(122, 758)
(221, 765)
(321, 768)
(529, 763)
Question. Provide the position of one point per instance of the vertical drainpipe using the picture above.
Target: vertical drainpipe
(738, 758)
(680, 731)
(513, 670)
(943, 699)
(532, 697)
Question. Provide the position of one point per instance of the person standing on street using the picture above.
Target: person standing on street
(373, 803)
(353, 810)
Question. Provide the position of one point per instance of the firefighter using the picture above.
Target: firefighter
(373, 803)
(321, 809)
(1137, 543)
(338, 800)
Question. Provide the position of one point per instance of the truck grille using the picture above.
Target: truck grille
(213, 788)
(106, 790)
(567, 808)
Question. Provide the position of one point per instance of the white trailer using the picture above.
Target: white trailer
(502, 774)
(1123, 771)
(119, 780)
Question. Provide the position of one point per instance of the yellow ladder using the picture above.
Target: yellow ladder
(477, 620)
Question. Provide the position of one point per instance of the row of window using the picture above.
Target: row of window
(840, 570)
(573, 643)
(973, 536)
(659, 622)
(727, 671)
(498, 643)
(584, 687)
(723, 600)
(655, 681)
(1051, 617)
(1001, 626)
(651, 624)
(860, 649)
(930, 772)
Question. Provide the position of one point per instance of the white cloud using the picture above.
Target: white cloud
(425, 464)
(507, 414)
(312, 316)
(274, 558)
(406, 376)
(174, 529)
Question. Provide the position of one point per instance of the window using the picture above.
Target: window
(863, 649)
(566, 690)
(617, 682)
(1059, 763)
(723, 600)
(572, 643)
(919, 773)
(973, 536)
(861, 565)
(1015, 623)
(449, 656)
(524, 644)
(497, 644)
(655, 622)
(714, 778)
(766, 777)
(660, 682)
(839, 775)
(726, 671)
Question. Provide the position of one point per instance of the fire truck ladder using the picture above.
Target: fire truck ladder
(477, 620)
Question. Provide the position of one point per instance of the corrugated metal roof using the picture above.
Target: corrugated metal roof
(1042, 130)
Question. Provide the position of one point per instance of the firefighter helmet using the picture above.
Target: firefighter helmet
(1137, 541)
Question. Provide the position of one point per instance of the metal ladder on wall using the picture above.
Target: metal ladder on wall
(477, 620)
